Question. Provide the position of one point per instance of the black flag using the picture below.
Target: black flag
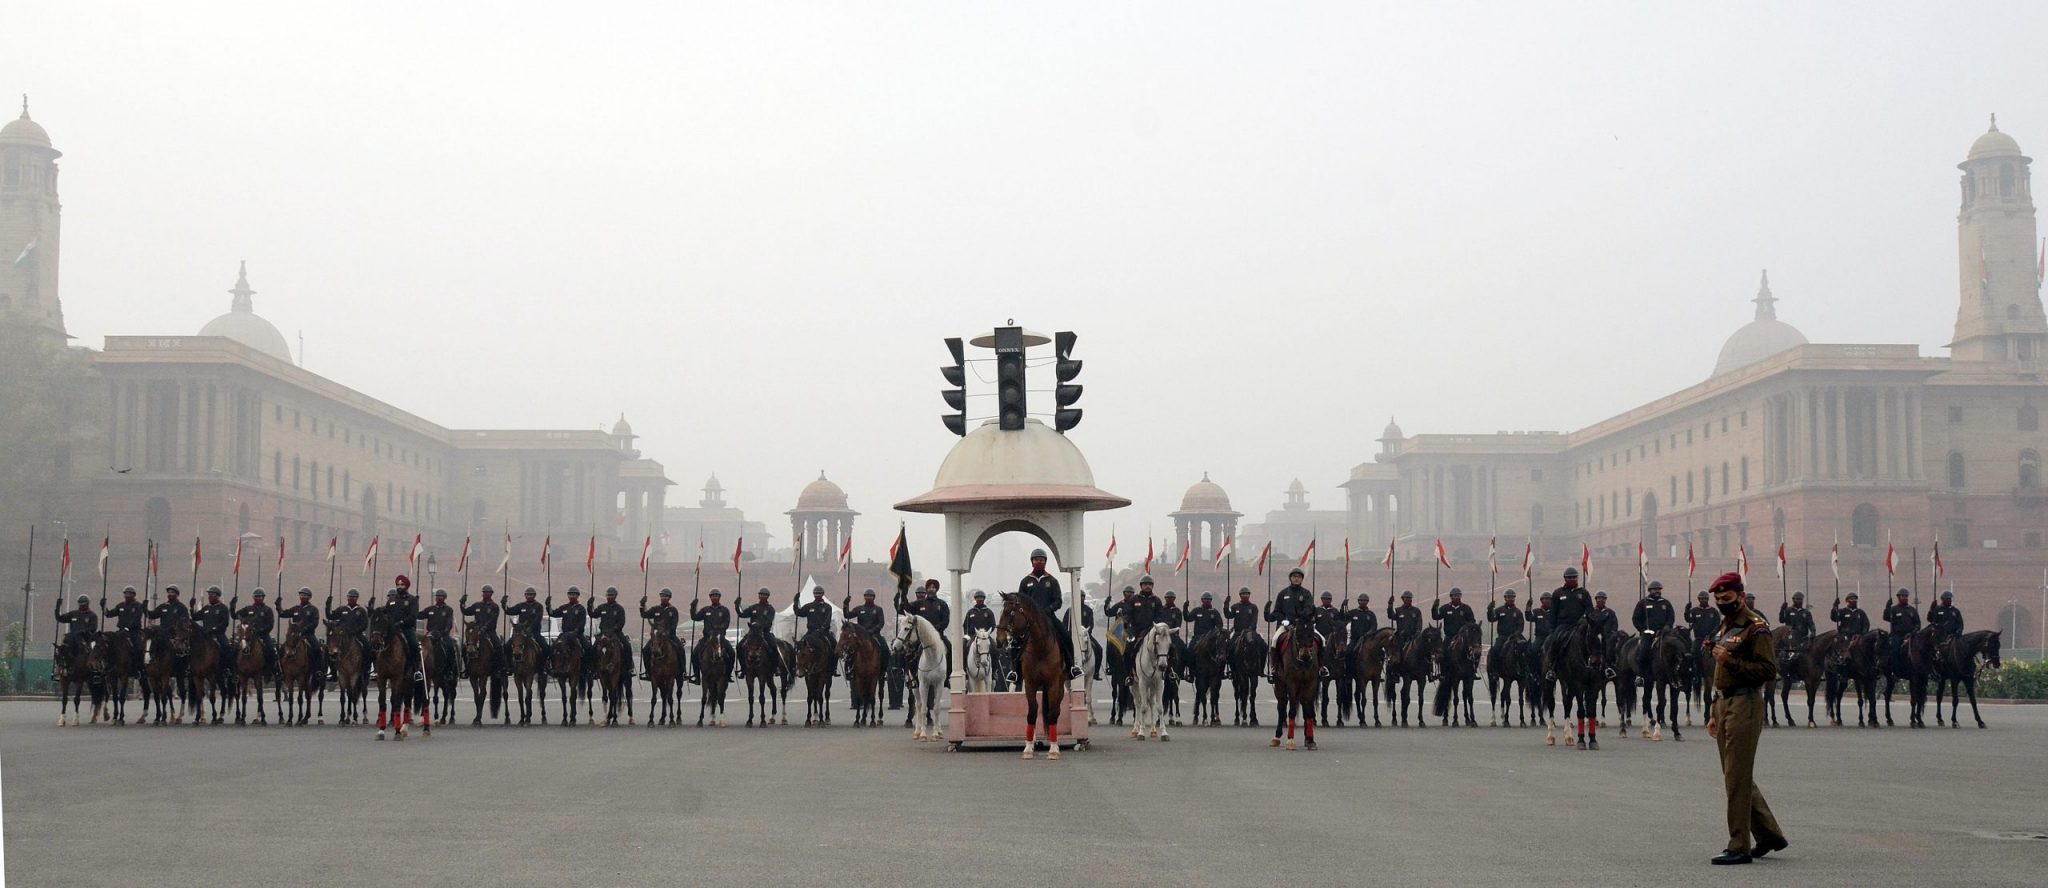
(899, 561)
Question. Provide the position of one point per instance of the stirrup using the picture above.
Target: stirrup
(1010, 676)
(1073, 672)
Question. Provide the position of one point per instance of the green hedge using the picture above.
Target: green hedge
(2017, 681)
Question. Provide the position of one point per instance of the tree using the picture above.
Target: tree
(50, 401)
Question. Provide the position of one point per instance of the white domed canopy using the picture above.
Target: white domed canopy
(243, 325)
(821, 496)
(1994, 143)
(23, 131)
(1761, 338)
(1205, 496)
(1032, 468)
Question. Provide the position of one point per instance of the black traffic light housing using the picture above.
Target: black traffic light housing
(1010, 395)
(956, 397)
(1065, 392)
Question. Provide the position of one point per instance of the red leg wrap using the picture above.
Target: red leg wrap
(1052, 733)
(1030, 732)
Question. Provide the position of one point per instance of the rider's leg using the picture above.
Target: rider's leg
(1066, 654)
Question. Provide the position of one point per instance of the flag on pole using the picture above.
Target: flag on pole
(899, 560)
(1939, 568)
(65, 570)
(1263, 555)
(332, 543)
(1389, 560)
(413, 557)
(505, 561)
(237, 571)
(1148, 553)
(105, 543)
(645, 548)
(700, 552)
(1347, 557)
(27, 252)
(1528, 557)
(845, 553)
(1585, 563)
(1742, 561)
(197, 559)
(546, 543)
(1781, 561)
(1182, 564)
(590, 559)
(1223, 552)
(1492, 556)
(370, 555)
(152, 559)
(739, 545)
(1109, 557)
(1692, 562)
(1307, 553)
(462, 563)
(1835, 558)
(1891, 557)
(1441, 557)
(280, 559)
(1642, 560)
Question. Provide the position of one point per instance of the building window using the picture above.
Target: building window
(1534, 474)
(1863, 525)
(1688, 437)
(1674, 489)
(1745, 473)
(295, 420)
(1707, 432)
(1960, 533)
(1745, 419)
(313, 479)
(1688, 487)
(1955, 415)
(2030, 419)
(295, 473)
(1955, 470)
(1724, 476)
(280, 414)
(2005, 180)
(1535, 516)
(330, 477)
(2030, 470)
(2032, 539)
(347, 489)
(277, 467)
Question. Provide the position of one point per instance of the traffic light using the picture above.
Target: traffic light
(956, 397)
(1010, 378)
(1065, 415)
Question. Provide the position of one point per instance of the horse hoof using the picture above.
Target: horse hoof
(1290, 746)
(1137, 734)
(1276, 742)
(1310, 746)
(380, 735)
(1027, 752)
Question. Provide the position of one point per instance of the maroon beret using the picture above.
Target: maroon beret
(1729, 580)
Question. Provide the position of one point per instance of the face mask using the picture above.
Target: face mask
(1731, 608)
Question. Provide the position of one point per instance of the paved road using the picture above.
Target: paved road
(252, 806)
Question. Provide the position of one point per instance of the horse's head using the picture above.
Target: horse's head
(1012, 622)
(1301, 645)
(181, 638)
(1988, 649)
(99, 653)
(906, 630)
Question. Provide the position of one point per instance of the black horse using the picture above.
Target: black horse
(1955, 670)
(1247, 665)
(1579, 662)
(1409, 664)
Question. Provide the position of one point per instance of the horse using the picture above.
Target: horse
(864, 663)
(74, 679)
(1247, 666)
(1176, 668)
(614, 677)
(662, 657)
(1368, 672)
(1408, 665)
(565, 668)
(395, 692)
(1805, 663)
(980, 660)
(1914, 662)
(1336, 685)
(160, 678)
(250, 669)
(1663, 685)
(438, 658)
(1148, 683)
(761, 679)
(1040, 668)
(1205, 662)
(1955, 668)
(785, 677)
(351, 662)
(300, 679)
(1580, 663)
(481, 652)
(108, 664)
(714, 671)
(1862, 667)
(815, 668)
(203, 655)
(526, 659)
(1296, 679)
(925, 650)
(1458, 668)
(1507, 680)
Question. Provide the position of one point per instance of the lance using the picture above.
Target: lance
(28, 583)
(1269, 603)
(696, 587)
(103, 576)
(195, 567)
(1916, 576)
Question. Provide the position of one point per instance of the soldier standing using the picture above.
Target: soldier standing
(1745, 662)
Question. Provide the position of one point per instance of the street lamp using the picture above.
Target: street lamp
(433, 569)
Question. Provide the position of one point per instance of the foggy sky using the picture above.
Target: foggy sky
(748, 226)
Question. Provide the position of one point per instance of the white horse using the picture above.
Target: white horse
(980, 664)
(1148, 683)
(923, 647)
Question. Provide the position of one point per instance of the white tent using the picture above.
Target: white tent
(787, 626)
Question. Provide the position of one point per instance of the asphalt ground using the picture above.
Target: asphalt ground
(244, 806)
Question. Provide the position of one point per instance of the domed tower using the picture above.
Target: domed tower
(1999, 317)
(1205, 519)
(1760, 338)
(823, 519)
(243, 325)
(30, 226)
(1390, 441)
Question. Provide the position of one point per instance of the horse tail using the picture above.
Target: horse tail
(1443, 699)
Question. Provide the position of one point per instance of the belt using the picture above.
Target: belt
(1742, 692)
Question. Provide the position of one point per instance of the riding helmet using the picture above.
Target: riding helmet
(1037, 554)
(1571, 573)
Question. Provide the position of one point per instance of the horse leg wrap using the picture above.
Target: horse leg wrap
(1052, 734)
(1031, 732)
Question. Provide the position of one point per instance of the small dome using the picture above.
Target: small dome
(1296, 487)
(1205, 496)
(1994, 143)
(23, 131)
(1392, 432)
(622, 428)
(1760, 338)
(712, 486)
(243, 325)
(1034, 468)
(821, 496)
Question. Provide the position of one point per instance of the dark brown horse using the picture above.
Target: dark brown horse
(1955, 670)
(1369, 672)
(438, 657)
(203, 656)
(565, 666)
(1040, 669)
(108, 664)
(864, 662)
(612, 671)
(1338, 683)
(301, 679)
(1408, 666)
(1458, 671)
(528, 657)
(481, 658)
(250, 669)
(714, 673)
(663, 659)
(815, 668)
(1806, 663)
(396, 694)
(1507, 680)
(1247, 666)
(761, 677)
(74, 677)
(160, 677)
(1297, 676)
(1580, 663)
(1206, 658)
(351, 661)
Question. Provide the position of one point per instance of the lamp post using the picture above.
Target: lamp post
(433, 569)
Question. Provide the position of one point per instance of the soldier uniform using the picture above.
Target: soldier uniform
(1406, 619)
(1044, 590)
(526, 617)
(211, 620)
(1506, 618)
(440, 620)
(1327, 616)
(1539, 621)
(1569, 604)
(716, 619)
(1139, 612)
(1903, 620)
(1945, 616)
(172, 613)
(79, 625)
(1203, 618)
(126, 618)
(304, 620)
(1850, 622)
(1294, 606)
(1653, 616)
(1455, 616)
(1606, 623)
(1702, 618)
(760, 619)
(350, 618)
(401, 612)
(1743, 648)
(1359, 623)
(483, 620)
(1798, 617)
(870, 618)
(930, 608)
(263, 621)
(662, 619)
(611, 620)
(817, 619)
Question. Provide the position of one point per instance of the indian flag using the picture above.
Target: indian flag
(27, 252)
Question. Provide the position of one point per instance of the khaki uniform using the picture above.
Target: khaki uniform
(1739, 717)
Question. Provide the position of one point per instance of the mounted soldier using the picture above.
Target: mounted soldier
(870, 618)
(1540, 619)
(715, 619)
(1606, 623)
(1455, 616)
(1703, 618)
(1850, 623)
(977, 618)
(1043, 589)
(402, 611)
(1653, 617)
(263, 621)
(526, 617)
(1327, 616)
(79, 626)
(172, 613)
(211, 620)
(1797, 617)
(483, 621)
(351, 619)
(1406, 619)
(611, 620)
(1139, 612)
(1359, 623)
(1294, 606)
(760, 619)
(304, 619)
(126, 618)
(1507, 619)
(932, 609)
(817, 619)
(1903, 620)
(1945, 618)
(662, 620)
(1569, 604)
(1204, 618)
(1171, 614)
(440, 620)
